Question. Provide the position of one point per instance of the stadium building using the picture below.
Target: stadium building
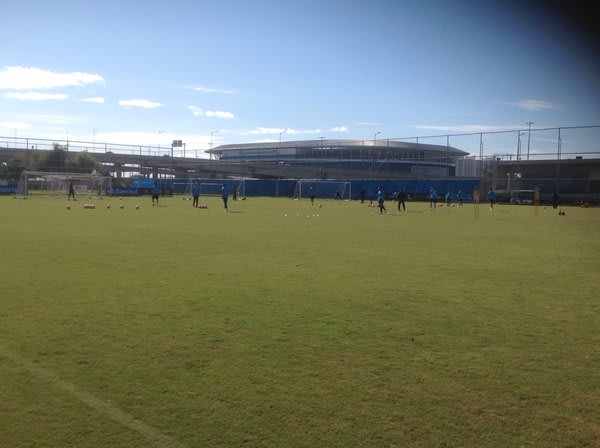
(342, 159)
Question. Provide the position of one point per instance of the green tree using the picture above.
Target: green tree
(54, 160)
(19, 162)
(83, 163)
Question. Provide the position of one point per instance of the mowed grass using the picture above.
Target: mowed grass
(173, 326)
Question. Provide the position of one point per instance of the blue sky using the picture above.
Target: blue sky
(150, 72)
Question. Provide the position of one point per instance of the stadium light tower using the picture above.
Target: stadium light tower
(528, 136)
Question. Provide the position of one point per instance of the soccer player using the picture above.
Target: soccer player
(155, 193)
(555, 200)
(460, 198)
(225, 196)
(381, 200)
(401, 197)
(234, 192)
(312, 194)
(433, 196)
(195, 194)
(71, 192)
(492, 198)
(448, 199)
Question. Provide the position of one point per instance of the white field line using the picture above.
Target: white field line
(153, 435)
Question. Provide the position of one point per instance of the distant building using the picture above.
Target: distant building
(347, 158)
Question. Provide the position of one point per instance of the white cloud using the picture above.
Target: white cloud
(20, 78)
(146, 104)
(212, 90)
(199, 112)
(263, 131)
(369, 123)
(98, 100)
(14, 125)
(536, 105)
(219, 114)
(339, 129)
(36, 96)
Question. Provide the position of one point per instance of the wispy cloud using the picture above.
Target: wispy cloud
(21, 78)
(369, 123)
(14, 125)
(36, 96)
(274, 131)
(535, 105)
(203, 89)
(54, 119)
(145, 104)
(464, 128)
(98, 100)
(199, 112)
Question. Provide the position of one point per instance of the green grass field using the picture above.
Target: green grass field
(268, 327)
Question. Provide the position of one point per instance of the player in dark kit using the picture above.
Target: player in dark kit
(381, 200)
(155, 193)
(195, 194)
(401, 197)
(71, 192)
(225, 196)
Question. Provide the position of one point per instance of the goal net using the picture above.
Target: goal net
(59, 184)
(322, 189)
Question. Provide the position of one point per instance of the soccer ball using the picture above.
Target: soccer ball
(108, 206)
(137, 207)
(68, 207)
(121, 206)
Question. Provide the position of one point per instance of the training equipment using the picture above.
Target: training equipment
(323, 189)
(39, 182)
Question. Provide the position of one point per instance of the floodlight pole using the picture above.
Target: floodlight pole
(373, 154)
(529, 136)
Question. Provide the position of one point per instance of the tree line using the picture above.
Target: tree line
(58, 159)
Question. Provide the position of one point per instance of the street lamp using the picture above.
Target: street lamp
(211, 141)
(283, 132)
(211, 137)
(528, 136)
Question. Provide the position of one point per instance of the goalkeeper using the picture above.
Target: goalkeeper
(195, 194)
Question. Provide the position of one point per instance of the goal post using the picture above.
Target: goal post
(323, 189)
(58, 184)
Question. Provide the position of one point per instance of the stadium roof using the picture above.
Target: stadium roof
(347, 144)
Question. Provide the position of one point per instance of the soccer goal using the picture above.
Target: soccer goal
(59, 184)
(323, 189)
(215, 188)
